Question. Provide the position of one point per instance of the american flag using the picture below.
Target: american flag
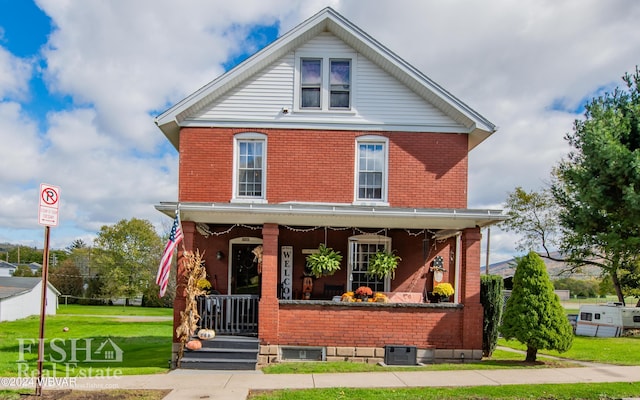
(165, 263)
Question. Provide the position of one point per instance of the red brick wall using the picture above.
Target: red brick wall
(268, 316)
(370, 326)
(425, 169)
(470, 287)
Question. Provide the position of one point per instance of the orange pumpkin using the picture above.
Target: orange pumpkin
(194, 345)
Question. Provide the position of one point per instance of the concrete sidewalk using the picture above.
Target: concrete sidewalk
(235, 385)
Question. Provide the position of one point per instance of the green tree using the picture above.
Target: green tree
(23, 271)
(492, 300)
(25, 255)
(578, 287)
(76, 244)
(534, 315)
(597, 187)
(81, 255)
(67, 279)
(127, 256)
(533, 216)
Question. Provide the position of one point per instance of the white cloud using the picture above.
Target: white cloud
(122, 62)
(129, 58)
(21, 145)
(14, 75)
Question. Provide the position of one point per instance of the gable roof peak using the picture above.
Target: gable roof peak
(327, 20)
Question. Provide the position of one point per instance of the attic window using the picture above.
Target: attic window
(310, 82)
(339, 83)
(324, 83)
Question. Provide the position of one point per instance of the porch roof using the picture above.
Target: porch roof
(335, 215)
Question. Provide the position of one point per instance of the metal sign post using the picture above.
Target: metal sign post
(47, 216)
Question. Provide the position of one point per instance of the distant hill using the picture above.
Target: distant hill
(555, 269)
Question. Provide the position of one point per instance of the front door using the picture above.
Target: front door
(245, 277)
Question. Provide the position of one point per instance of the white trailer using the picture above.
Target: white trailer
(606, 320)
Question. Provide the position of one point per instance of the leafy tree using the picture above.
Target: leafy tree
(25, 255)
(534, 315)
(23, 271)
(605, 286)
(67, 279)
(127, 257)
(578, 287)
(533, 215)
(81, 256)
(93, 293)
(597, 188)
(630, 281)
(76, 244)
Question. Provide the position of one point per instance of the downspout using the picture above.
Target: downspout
(456, 295)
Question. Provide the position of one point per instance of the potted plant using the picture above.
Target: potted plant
(443, 290)
(383, 264)
(324, 262)
(363, 293)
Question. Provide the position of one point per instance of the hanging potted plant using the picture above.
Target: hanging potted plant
(383, 264)
(324, 262)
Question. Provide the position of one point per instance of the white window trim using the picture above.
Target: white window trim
(249, 136)
(324, 89)
(385, 176)
(376, 239)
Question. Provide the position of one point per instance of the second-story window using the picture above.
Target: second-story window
(310, 82)
(371, 169)
(325, 83)
(340, 84)
(250, 166)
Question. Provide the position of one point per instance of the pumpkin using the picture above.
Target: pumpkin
(194, 345)
(206, 334)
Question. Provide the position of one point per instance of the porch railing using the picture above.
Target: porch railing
(229, 314)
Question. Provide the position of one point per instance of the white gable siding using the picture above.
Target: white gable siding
(262, 98)
(379, 99)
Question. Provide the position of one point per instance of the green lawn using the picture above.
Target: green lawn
(621, 351)
(75, 309)
(595, 391)
(145, 345)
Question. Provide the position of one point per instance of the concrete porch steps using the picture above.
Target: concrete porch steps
(223, 353)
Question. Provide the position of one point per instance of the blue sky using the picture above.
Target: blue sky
(81, 81)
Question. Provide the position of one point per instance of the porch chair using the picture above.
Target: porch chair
(332, 290)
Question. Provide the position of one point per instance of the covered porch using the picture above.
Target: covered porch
(321, 326)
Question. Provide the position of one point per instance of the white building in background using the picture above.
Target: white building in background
(21, 298)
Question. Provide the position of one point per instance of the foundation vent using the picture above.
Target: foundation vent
(300, 353)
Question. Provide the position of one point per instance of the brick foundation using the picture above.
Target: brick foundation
(270, 354)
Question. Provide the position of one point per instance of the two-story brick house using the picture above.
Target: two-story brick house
(326, 136)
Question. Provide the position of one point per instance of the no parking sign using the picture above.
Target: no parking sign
(49, 205)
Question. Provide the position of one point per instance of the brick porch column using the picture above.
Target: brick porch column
(269, 307)
(472, 321)
(179, 302)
